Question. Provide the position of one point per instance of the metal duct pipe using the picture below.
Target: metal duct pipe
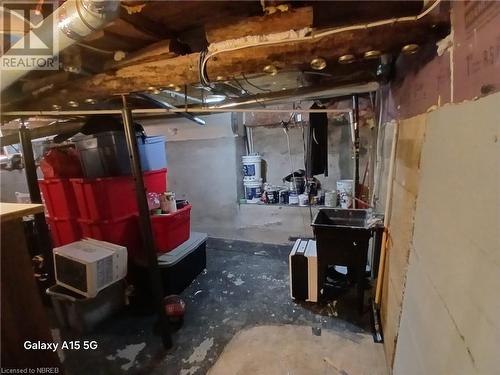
(70, 23)
(164, 104)
(300, 94)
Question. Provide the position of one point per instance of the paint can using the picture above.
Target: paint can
(253, 191)
(252, 167)
(284, 196)
(293, 198)
(312, 186)
(303, 200)
(330, 199)
(272, 196)
(298, 184)
(171, 203)
(345, 193)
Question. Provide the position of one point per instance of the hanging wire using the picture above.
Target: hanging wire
(202, 69)
(95, 49)
(241, 87)
(253, 85)
(248, 93)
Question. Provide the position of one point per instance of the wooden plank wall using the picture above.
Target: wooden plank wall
(449, 323)
(405, 191)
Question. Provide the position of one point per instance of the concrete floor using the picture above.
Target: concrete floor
(291, 349)
(245, 286)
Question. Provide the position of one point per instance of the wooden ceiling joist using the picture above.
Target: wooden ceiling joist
(297, 18)
(162, 72)
(126, 29)
(162, 50)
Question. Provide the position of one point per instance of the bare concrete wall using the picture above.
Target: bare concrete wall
(204, 167)
(10, 183)
(449, 320)
(271, 143)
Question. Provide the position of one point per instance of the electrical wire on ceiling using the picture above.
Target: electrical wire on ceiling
(204, 57)
(253, 85)
(201, 69)
(95, 49)
(243, 90)
(248, 93)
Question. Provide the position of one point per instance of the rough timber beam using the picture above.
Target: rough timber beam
(297, 18)
(184, 69)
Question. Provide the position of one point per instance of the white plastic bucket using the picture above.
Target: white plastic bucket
(345, 193)
(252, 167)
(253, 191)
(303, 200)
(293, 198)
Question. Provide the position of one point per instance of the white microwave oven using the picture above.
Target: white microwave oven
(88, 266)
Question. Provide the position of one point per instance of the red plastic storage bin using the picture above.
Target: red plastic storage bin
(59, 197)
(156, 181)
(110, 198)
(63, 231)
(123, 231)
(171, 230)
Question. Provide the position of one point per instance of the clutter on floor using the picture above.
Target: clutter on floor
(245, 285)
(92, 211)
(342, 240)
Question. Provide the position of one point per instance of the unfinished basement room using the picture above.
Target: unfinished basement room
(258, 187)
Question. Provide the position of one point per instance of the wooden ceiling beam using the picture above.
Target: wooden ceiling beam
(295, 19)
(386, 38)
(162, 50)
(184, 69)
(127, 29)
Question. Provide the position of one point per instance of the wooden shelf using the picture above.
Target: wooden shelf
(281, 205)
(10, 211)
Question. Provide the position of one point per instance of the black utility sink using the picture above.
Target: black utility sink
(342, 238)
(339, 217)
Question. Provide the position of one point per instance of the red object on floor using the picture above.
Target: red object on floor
(111, 198)
(175, 307)
(123, 231)
(59, 198)
(171, 230)
(63, 231)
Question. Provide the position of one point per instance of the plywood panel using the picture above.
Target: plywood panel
(450, 311)
(427, 338)
(405, 190)
(410, 139)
